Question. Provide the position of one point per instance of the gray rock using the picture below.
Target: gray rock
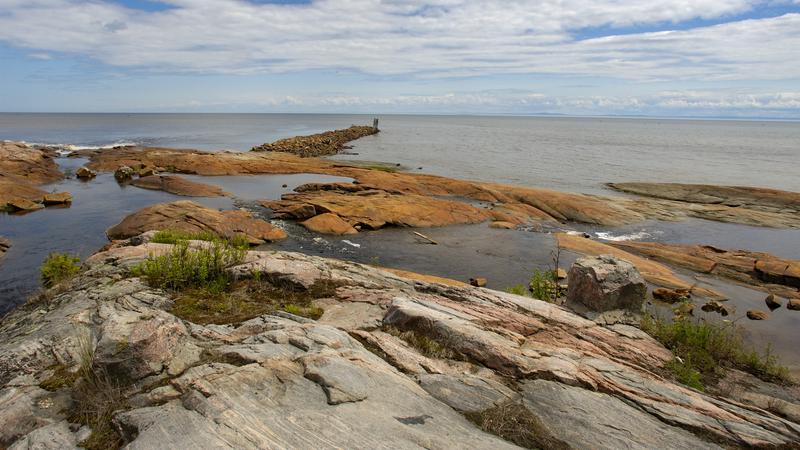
(56, 436)
(586, 419)
(602, 284)
(466, 393)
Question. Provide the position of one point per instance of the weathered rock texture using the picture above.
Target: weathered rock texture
(279, 381)
(179, 186)
(192, 217)
(512, 204)
(606, 283)
(322, 144)
(22, 169)
(771, 273)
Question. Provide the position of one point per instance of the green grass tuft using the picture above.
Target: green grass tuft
(432, 348)
(58, 267)
(703, 350)
(542, 286)
(177, 236)
(184, 267)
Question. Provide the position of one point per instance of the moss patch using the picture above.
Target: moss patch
(62, 377)
(514, 422)
(244, 300)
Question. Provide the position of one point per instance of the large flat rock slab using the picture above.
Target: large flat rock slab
(195, 218)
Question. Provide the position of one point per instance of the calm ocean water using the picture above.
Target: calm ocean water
(571, 154)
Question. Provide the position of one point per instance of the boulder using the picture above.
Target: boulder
(606, 283)
(561, 274)
(478, 281)
(328, 224)
(57, 198)
(179, 186)
(715, 306)
(124, 173)
(85, 173)
(192, 217)
(794, 304)
(772, 302)
(757, 314)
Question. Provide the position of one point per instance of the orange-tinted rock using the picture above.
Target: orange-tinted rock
(756, 268)
(179, 186)
(194, 218)
(328, 224)
(85, 173)
(21, 204)
(57, 198)
(28, 164)
(670, 295)
(376, 209)
(502, 225)
(478, 281)
(772, 302)
(793, 304)
(756, 314)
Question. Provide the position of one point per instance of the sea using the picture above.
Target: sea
(575, 154)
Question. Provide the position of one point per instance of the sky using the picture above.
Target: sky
(697, 58)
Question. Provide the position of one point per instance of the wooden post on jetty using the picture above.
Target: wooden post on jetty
(375, 124)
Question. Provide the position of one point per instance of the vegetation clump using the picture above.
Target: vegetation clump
(58, 267)
(514, 422)
(186, 267)
(177, 236)
(542, 286)
(243, 300)
(703, 350)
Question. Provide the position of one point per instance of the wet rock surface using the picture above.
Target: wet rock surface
(179, 186)
(279, 381)
(195, 218)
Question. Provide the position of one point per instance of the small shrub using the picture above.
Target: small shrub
(185, 267)
(58, 267)
(514, 422)
(703, 350)
(544, 285)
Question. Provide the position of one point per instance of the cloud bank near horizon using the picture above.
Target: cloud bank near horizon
(645, 57)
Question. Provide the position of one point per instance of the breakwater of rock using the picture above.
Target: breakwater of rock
(321, 144)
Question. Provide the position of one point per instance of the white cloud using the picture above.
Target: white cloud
(420, 38)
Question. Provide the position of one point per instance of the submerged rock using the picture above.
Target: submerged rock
(23, 205)
(670, 295)
(192, 217)
(179, 186)
(5, 244)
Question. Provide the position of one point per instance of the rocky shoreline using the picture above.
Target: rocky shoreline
(322, 144)
(352, 377)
